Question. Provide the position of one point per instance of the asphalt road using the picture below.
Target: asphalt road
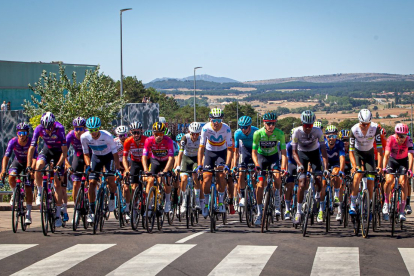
(234, 249)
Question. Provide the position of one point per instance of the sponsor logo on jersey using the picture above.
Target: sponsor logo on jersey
(54, 136)
(159, 152)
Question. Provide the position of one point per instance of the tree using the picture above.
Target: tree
(375, 107)
(376, 115)
(347, 123)
(287, 124)
(96, 95)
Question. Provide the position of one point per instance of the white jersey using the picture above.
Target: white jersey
(102, 146)
(364, 143)
(189, 147)
(216, 141)
(120, 149)
(307, 142)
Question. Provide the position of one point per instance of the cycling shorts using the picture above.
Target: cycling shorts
(78, 165)
(292, 171)
(136, 168)
(312, 157)
(98, 162)
(64, 182)
(16, 168)
(270, 162)
(397, 165)
(157, 165)
(366, 159)
(188, 163)
(47, 155)
(214, 158)
(245, 157)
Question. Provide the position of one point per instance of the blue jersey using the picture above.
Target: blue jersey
(334, 153)
(241, 140)
(290, 153)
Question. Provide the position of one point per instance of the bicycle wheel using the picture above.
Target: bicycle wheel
(345, 208)
(44, 213)
(52, 213)
(307, 213)
(399, 206)
(248, 207)
(85, 211)
(393, 211)
(150, 210)
(22, 213)
(212, 210)
(77, 209)
(136, 208)
(160, 210)
(119, 206)
(98, 210)
(189, 209)
(365, 213)
(327, 212)
(15, 210)
(265, 219)
(105, 210)
(375, 210)
(193, 209)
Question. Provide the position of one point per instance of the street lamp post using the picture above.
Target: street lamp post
(122, 74)
(195, 68)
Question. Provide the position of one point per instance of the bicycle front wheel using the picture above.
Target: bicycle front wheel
(212, 211)
(98, 210)
(365, 214)
(248, 209)
(119, 206)
(136, 208)
(189, 209)
(150, 211)
(265, 218)
(393, 212)
(44, 213)
(77, 209)
(375, 212)
(327, 212)
(307, 210)
(15, 210)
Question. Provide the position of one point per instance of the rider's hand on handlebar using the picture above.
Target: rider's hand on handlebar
(88, 168)
(57, 168)
(326, 173)
(28, 169)
(300, 168)
(178, 168)
(226, 168)
(410, 173)
(258, 169)
(199, 168)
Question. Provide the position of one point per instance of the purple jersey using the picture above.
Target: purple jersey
(20, 152)
(76, 144)
(56, 140)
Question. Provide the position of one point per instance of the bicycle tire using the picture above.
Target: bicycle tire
(327, 212)
(393, 211)
(399, 206)
(265, 212)
(86, 211)
(248, 207)
(22, 216)
(308, 209)
(365, 213)
(119, 206)
(345, 211)
(136, 208)
(160, 212)
(98, 210)
(212, 211)
(44, 213)
(193, 209)
(77, 209)
(375, 210)
(189, 209)
(52, 213)
(151, 204)
(15, 210)
(173, 211)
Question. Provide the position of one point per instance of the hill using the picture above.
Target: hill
(203, 77)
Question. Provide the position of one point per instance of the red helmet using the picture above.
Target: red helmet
(401, 129)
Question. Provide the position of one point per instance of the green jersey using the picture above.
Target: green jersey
(267, 145)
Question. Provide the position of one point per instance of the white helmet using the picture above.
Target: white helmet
(121, 130)
(365, 116)
(135, 125)
(195, 127)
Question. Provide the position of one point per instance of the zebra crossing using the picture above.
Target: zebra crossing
(241, 260)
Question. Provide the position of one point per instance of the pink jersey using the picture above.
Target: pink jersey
(399, 151)
(160, 151)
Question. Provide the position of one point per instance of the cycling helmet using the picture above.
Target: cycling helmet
(269, 117)
(331, 129)
(135, 125)
(383, 131)
(318, 124)
(245, 121)
(307, 117)
(93, 122)
(121, 130)
(179, 137)
(47, 120)
(23, 126)
(167, 132)
(401, 129)
(195, 127)
(79, 121)
(344, 134)
(216, 113)
(364, 116)
(148, 133)
(158, 127)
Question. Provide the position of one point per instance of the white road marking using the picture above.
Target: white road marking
(64, 260)
(7, 250)
(244, 260)
(408, 258)
(152, 260)
(323, 263)
(202, 232)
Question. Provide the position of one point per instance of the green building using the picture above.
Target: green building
(15, 76)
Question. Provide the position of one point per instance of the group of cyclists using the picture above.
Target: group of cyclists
(209, 148)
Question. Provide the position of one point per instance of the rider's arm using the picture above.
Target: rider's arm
(229, 142)
(63, 156)
(87, 159)
(284, 159)
(255, 147)
(410, 161)
(342, 163)
(68, 143)
(33, 144)
(145, 162)
(352, 149)
(379, 147)
(170, 164)
(145, 153)
(229, 156)
(180, 157)
(112, 145)
(324, 156)
(255, 159)
(4, 164)
(7, 155)
(125, 163)
(236, 157)
(125, 155)
(386, 158)
(203, 141)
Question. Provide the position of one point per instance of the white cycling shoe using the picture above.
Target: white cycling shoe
(258, 220)
(277, 212)
(28, 220)
(111, 205)
(183, 209)
(242, 202)
(91, 218)
(205, 212)
(127, 216)
(38, 200)
(402, 217)
(338, 217)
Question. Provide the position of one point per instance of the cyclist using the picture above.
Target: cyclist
(19, 146)
(290, 179)
(243, 138)
(176, 182)
(104, 155)
(161, 159)
(216, 146)
(78, 162)
(148, 133)
(336, 162)
(133, 146)
(54, 138)
(398, 157)
(361, 149)
(318, 124)
(344, 137)
(121, 133)
(265, 156)
(187, 158)
(307, 141)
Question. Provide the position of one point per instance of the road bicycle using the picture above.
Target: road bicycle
(396, 203)
(308, 208)
(268, 201)
(250, 209)
(156, 203)
(137, 202)
(189, 198)
(377, 203)
(81, 207)
(101, 203)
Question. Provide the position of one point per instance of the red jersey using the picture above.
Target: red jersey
(160, 151)
(136, 150)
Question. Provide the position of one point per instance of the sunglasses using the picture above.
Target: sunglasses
(123, 136)
(79, 128)
(307, 125)
(158, 134)
(195, 134)
(270, 123)
(93, 129)
(216, 120)
(333, 136)
(244, 127)
(345, 140)
(402, 135)
(136, 132)
(22, 133)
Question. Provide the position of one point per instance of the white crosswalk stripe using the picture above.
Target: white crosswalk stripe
(323, 264)
(152, 260)
(408, 256)
(244, 260)
(7, 250)
(66, 259)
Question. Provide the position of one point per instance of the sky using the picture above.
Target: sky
(242, 40)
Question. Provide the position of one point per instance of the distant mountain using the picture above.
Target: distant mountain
(352, 77)
(199, 77)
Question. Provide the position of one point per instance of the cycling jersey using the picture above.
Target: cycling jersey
(399, 151)
(384, 145)
(364, 143)
(334, 153)
(56, 139)
(189, 147)
(102, 146)
(289, 153)
(160, 151)
(307, 142)
(216, 141)
(267, 145)
(130, 146)
(242, 140)
(176, 148)
(75, 142)
(119, 148)
(20, 152)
